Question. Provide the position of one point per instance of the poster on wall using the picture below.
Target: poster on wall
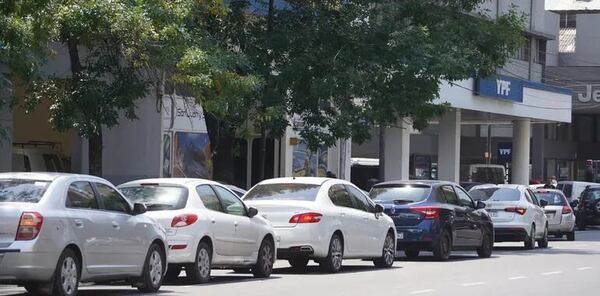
(192, 155)
(167, 154)
(307, 163)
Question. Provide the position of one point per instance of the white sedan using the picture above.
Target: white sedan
(561, 218)
(207, 225)
(326, 220)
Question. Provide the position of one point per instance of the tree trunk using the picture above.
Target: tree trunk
(95, 154)
(262, 153)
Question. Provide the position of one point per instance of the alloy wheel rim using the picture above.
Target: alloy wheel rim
(336, 253)
(68, 275)
(267, 258)
(388, 250)
(204, 263)
(155, 268)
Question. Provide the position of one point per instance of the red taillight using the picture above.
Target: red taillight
(520, 211)
(30, 226)
(429, 212)
(184, 220)
(306, 218)
(567, 209)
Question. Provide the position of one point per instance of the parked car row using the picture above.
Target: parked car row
(57, 230)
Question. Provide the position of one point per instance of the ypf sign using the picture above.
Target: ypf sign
(504, 87)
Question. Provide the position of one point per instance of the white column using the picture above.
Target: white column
(521, 148)
(449, 146)
(397, 151)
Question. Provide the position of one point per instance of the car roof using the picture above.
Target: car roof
(415, 182)
(300, 180)
(172, 181)
(42, 176)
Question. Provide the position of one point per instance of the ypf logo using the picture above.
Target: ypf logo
(502, 87)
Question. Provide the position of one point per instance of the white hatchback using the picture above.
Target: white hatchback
(561, 217)
(326, 220)
(516, 212)
(207, 225)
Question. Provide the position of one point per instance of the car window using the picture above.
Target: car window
(360, 200)
(231, 203)
(283, 191)
(403, 193)
(157, 197)
(209, 198)
(463, 198)
(52, 162)
(535, 199)
(339, 196)
(567, 189)
(81, 196)
(450, 195)
(21, 190)
(553, 198)
(111, 199)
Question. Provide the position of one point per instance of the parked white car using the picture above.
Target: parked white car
(59, 229)
(573, 189)
(561, 217)
(207, 225)
(517, 214)
(326, 220)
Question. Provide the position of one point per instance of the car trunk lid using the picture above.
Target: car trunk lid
(402, 214)
(10, 215)
(498, 213)
(554, 214)
(279, 212)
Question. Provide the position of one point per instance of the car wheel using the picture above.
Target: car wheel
(487, 245)
(266, 258)
(173, 272)
(571, 236)
(199, 271)
(65, 280)
(543, 243)
(443, 247)
(411, 254)
(298, 263)
(154, 267)
(388, 253)
(333, 262)
(530, 240)
(241, 270)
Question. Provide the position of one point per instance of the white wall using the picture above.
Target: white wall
(587, 48)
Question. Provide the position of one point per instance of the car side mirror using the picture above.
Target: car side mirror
(480, 205)
(543, 203)
(378, 208)
(252, 212)
(139, 208)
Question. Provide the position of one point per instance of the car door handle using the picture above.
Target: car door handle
(115, 225)
(78, 223)
(213, 221)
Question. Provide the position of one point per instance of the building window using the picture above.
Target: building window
(524, 52)
(541, 52)
(568, 20)
(568, 32)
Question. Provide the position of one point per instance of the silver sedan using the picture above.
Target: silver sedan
(59, 229)
(561, 218)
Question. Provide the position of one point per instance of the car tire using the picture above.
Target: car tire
(265, 261)
(298, 263)
(199, 271)
(571, 236)
(173, 272)
(154, 268)
(388, 253)
(543, 243)
(411, 254)
(487, 245)
(530, 239)
(443, 247)
(333, 262)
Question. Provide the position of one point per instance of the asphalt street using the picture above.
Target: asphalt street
(565, 268)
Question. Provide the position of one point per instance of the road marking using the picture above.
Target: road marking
(517, 278)
(422, 291)
(584, 268)
(473, 284)
(552, 272)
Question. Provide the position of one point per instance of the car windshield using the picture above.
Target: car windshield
(20, 190)
(283, 191)
(553, 198)
(495, 194)
(157, 198)
(400, 193)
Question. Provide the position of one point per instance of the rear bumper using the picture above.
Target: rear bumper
(17, 266)
(302, 237)
(419, 237)
(510, 234)
(185, 255)
(295, 252)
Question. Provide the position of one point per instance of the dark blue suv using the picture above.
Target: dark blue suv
(435, 216)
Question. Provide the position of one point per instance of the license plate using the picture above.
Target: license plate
(493, 214)
(550, 215)
(400, 235)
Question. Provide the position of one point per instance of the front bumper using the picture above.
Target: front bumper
(17, 266)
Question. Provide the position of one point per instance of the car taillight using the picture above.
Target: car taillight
(306, 218)
(429, 212)
(184, 220)
(30, 226)
(567, 209)
(520, 211)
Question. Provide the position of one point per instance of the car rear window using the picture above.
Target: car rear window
(157, 198)
(400, 193)
(20, 190)
(553, 198)
(285, 191)
(495, 194)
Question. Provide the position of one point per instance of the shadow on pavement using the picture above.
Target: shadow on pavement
(430, 258)
(219, 280)
(314, 269)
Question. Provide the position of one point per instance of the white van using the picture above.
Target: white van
(484, 173)
(27, 158)
(573, 189)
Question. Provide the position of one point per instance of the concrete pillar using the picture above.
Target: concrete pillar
(537, 147)
(521, 148)
(449, 146)
(397, 152)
